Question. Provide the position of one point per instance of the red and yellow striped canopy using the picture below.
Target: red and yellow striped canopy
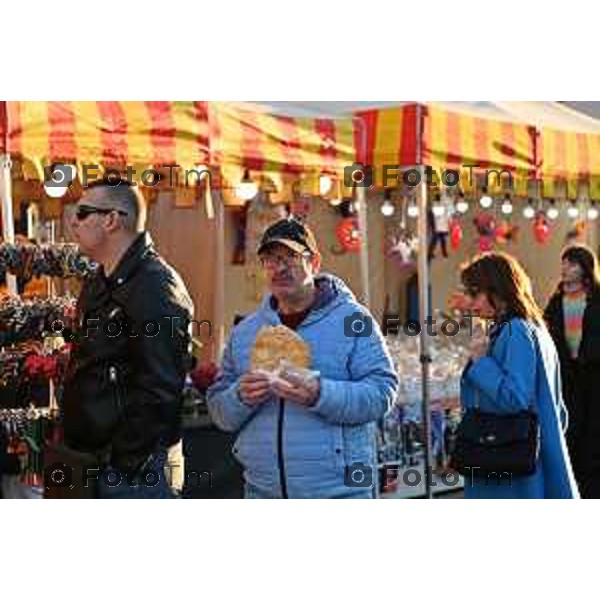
(287, 146)
(152, 134)
(229, 137)
(571, 158)
(108, 133)
(448, 140)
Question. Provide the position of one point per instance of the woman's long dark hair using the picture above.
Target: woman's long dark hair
(586, 259)
(501, 277)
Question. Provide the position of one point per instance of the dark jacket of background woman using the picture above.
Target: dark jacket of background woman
(581, 389)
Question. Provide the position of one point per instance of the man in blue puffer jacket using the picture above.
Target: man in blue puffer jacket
(300, 439)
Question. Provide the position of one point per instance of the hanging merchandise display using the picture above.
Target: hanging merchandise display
(402, 250)
(31, 363)
(23, 435)
(541, 229)
(348, 236)
(438, 218)
(401, 438)
(506, 232)
(32, 319)
(29, 260)
(456, 234)
(576, 233)
(485, 224)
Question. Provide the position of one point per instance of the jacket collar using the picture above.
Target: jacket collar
(141, 246)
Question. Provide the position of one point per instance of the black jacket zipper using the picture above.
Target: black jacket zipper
(280, 458)
(114, 380)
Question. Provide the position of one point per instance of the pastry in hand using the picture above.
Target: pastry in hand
(275, 344)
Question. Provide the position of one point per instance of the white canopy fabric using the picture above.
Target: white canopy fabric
(567, 116)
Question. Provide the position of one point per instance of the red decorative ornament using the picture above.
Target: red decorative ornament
(541, 229)
(485, 244)
(41, 367)
(456, 234)
(485, 223)
(348, 234)
(204, 375)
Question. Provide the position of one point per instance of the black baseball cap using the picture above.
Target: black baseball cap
(291, 233)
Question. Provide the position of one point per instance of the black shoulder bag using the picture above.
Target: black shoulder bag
(497, 443)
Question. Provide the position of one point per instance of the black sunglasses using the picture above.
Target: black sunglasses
(84, 211)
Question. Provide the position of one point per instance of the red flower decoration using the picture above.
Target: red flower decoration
(204, 375)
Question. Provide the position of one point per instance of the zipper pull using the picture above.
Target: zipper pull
(112, 374)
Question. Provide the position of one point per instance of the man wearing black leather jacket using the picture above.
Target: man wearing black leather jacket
(123, 391)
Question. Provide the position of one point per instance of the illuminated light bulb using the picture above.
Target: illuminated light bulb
(387, 208)
(246, 189)
(55, 192)
(507, 208)
(573, 211)
(486, 201)
(592, 213)
(529, 212)
(438, 210)
(325, 184)
(462, 206)
(552, 213)
(413, 211)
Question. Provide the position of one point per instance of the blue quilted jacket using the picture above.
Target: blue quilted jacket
(293, 451)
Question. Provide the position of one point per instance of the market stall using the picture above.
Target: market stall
(92, 138)
(267, 161)
(548, 153)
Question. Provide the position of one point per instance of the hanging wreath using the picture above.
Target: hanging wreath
(348, 235)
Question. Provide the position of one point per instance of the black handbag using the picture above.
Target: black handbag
(500, 444)
(490, 443)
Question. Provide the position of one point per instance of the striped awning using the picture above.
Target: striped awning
(109, 134)
(279, 145)
(569, 161)
(221, 135)
(448, 140)
(454, 139)
(388, 136)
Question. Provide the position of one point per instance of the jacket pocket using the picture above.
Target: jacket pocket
(359, 444)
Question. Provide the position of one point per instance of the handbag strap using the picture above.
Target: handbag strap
(537, 357)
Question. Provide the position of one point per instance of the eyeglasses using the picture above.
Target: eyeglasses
(84, 211)
(270, 261)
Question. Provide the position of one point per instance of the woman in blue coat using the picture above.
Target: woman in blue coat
(513, 367)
